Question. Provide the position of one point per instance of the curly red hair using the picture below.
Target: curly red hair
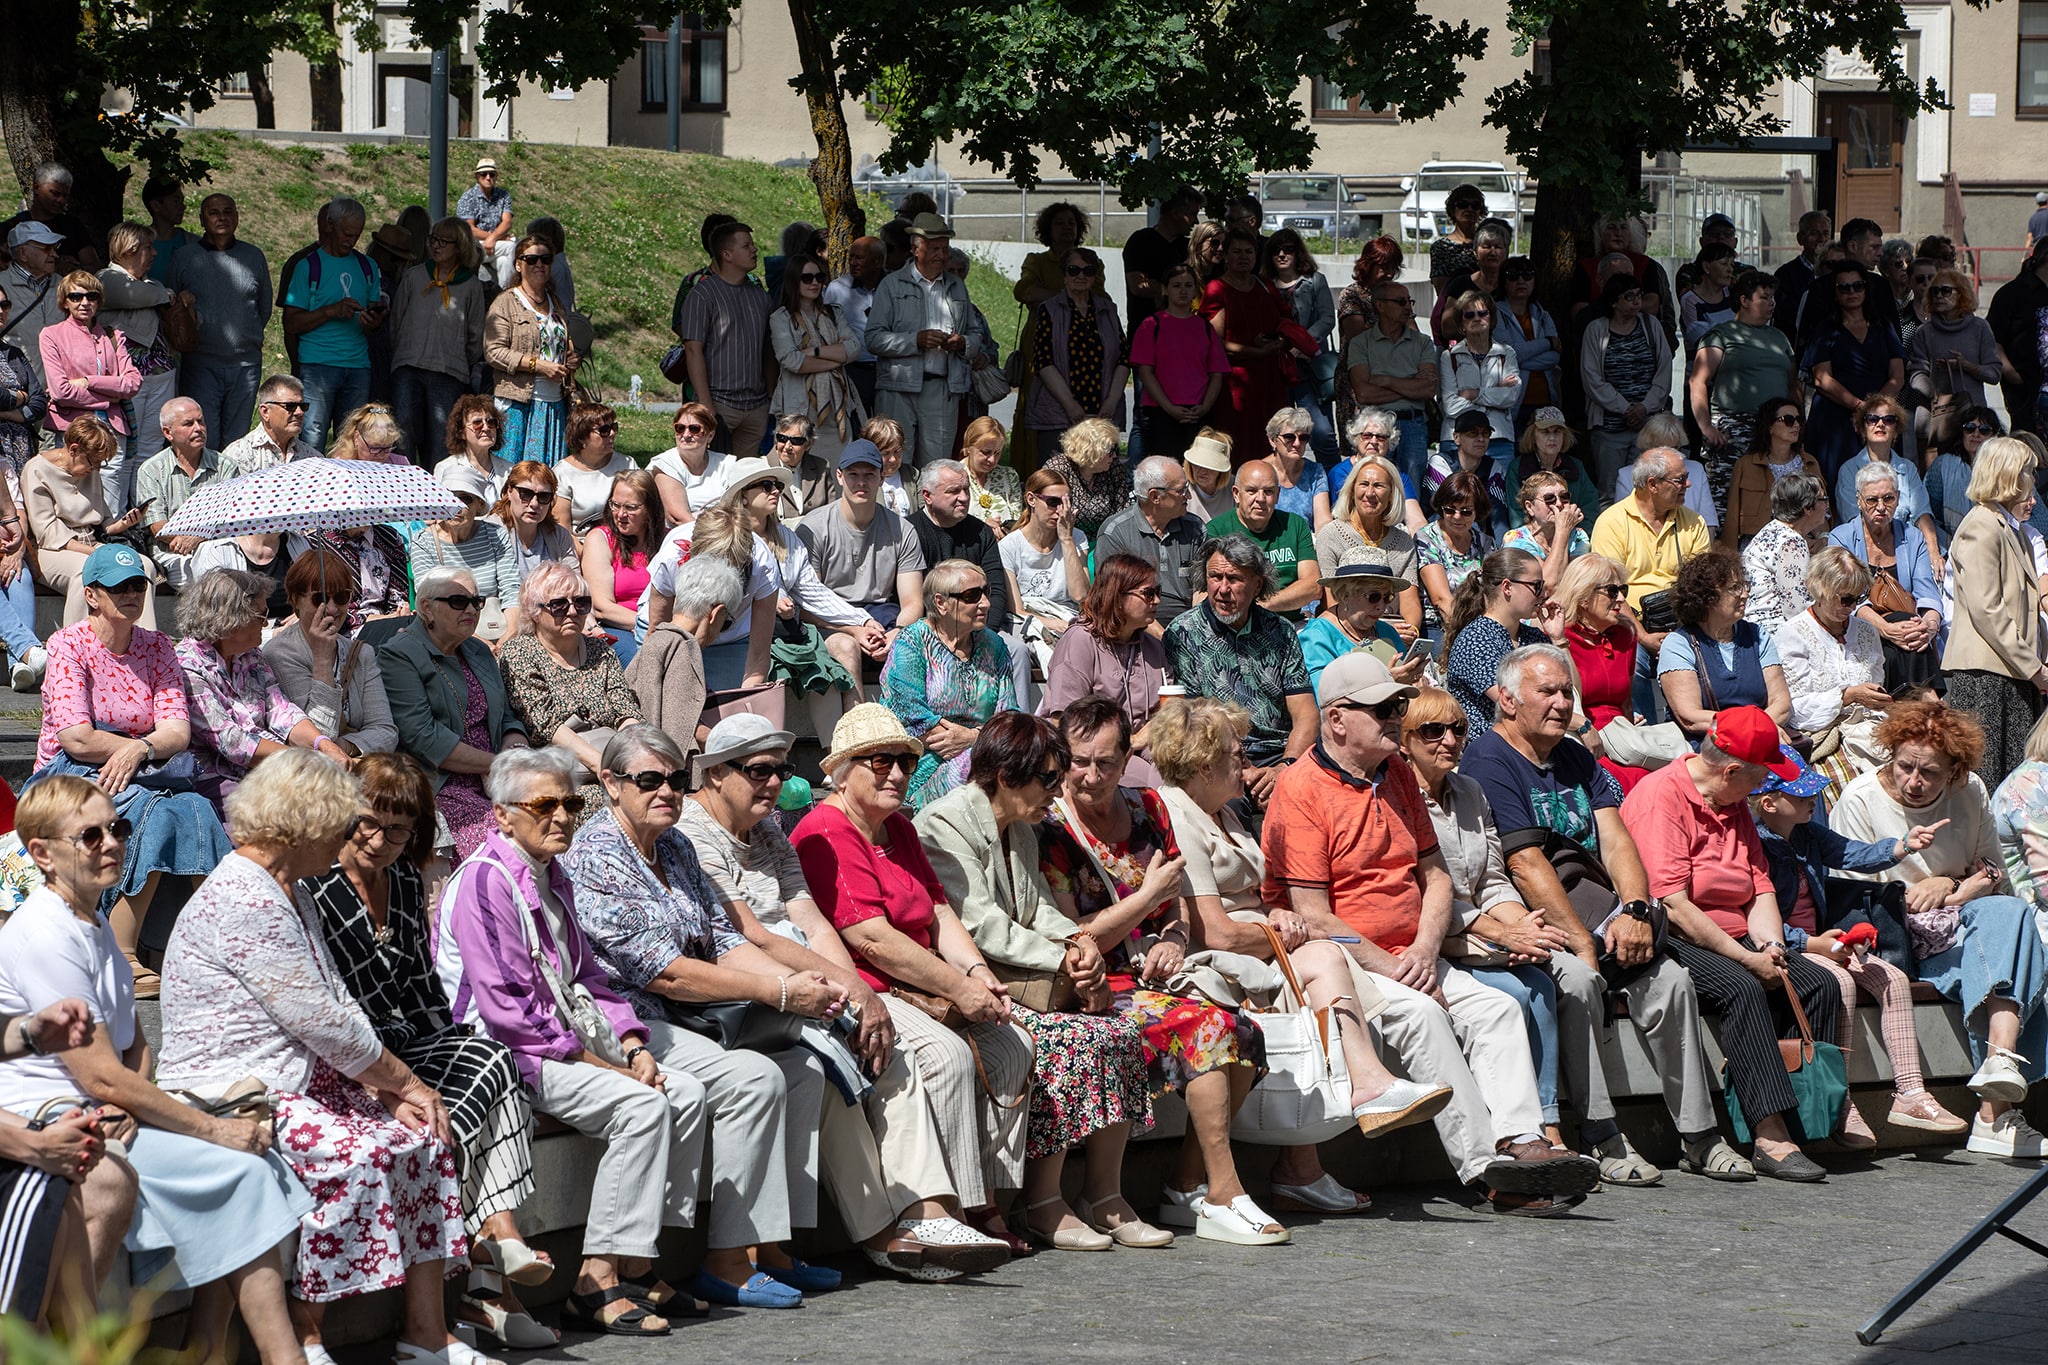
(1938, 726)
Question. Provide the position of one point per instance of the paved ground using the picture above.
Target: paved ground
(1693, 1272)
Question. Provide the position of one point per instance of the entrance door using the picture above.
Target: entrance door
(1871, 165)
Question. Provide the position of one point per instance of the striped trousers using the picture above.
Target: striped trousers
(1754, 1017)
(490, 1113)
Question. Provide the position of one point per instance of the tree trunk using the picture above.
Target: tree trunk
(39, 70)
(832, 169)
(264, 97)
(323, 81)
(1562, 231)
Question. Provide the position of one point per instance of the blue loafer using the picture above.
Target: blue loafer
(758, 1292)
(802, 1275)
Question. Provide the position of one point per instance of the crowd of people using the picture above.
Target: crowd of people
(1433, 687)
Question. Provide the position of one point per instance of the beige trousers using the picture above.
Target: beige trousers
(969, 1145)
(60, 569)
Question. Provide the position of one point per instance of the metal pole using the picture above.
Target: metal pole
(437, 138)
(675, 84)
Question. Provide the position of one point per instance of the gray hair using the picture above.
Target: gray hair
(1658, 462)
(163, 413)
(948, 576)
(1496, 230)
(798, 423)
(1714, 756)
(430, 583)
(1372, 419)
(222, 602)
(707, 582)
(1894, 249)
(1662, 429)
(1241, 552)
(928, 477)
(642, 740)
(515, 772)
(51, 173)
(1153, 473)
(1793, 496)
(1289, 419)
(1873, 474)
(280, 386)
(956, 259)
(1509, 674)
(340, 209)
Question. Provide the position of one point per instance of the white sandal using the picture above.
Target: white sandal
(1239, 1222)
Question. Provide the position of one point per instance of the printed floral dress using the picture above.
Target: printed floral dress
(1184, 1037)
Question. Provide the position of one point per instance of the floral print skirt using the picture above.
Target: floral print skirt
(385, 1198)
(1089, 1073)
(1185, 1037)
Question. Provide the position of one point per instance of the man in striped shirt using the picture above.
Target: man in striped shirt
(724, 332)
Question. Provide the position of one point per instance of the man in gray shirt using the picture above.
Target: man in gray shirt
(31, 281)
(724, 331)
(868, 555)
(1158, 529)
(230, 280)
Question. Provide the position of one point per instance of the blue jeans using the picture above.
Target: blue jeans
(18, 615)
(1532, 989)
(1997, 955)
(1323, 436)
(225, 391)
(1411, 449)
(332, 393)
(1644, 693)
(623, 643)
(421, 401)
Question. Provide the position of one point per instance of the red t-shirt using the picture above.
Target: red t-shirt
(1710, 854)
(1361, 840)
(853, 880)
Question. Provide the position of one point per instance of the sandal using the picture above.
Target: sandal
(516, 1261)
(1531, 1205)
(1716, 1160)
(587, 1310)
(1240, 1223)
(148, 985)
(515, 1331)
(1324, 1195)
(981, 1220)
(664, 1301)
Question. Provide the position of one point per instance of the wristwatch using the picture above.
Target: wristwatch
(1637, 910)
(633, 1052)
(27, 1032)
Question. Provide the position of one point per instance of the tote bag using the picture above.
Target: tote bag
(1820, 1081)
(1306, 1095)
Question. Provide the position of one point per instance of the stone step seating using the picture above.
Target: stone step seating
(565, 1162)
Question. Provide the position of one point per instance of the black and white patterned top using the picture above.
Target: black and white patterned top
(391, 975)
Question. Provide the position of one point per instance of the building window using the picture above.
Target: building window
(2033, 82)
(703, 67)
(236, 86)
(1332, 103)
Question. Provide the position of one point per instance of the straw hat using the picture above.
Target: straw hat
(865, 729)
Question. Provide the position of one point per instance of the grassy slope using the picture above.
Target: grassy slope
(631, 217)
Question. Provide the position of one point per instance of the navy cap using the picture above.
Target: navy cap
(1808, 783)
(1471, 419)
(862, 451)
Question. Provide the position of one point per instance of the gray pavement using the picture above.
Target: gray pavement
(1693, 1272)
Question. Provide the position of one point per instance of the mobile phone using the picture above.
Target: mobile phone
(1423, 648)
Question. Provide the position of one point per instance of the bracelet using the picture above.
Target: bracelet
(783, 1008)
(985, 967)
(633, 1052)
(28, 1036)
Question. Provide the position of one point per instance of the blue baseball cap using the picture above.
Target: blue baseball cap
(111, 564)
(1807, 783)
(862, 451)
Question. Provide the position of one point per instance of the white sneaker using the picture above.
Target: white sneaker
(1999, 1078)
(2007, 1135)
(1181, 1210)
(27, 671)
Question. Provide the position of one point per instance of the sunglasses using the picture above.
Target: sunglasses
(968, 595)
(463, 601)
(81, 296)
(127, 587)
(1052, 779)
(1478, 313)
(1076, 272)
(539, 495)
(1518, 274)
(1880, 419)
(442, 241)
(95, 837)
(1979, 429)
(691, 429)
(1375, 597)
(1532, 584)
(1941, 289)
(1789, 419)
(1881, 499)
(1929, 279)
(1855, 288)
(566, 606)
(340, 599)
(879, 764)
(1461, 510)
(1393, 708)
(1292, 438)
(288, 407)
(1149, 594)
(758, 773)
(607, 428)
(651, 781)
(1614, 591)
(534, 258)
(810, 277)
(370, 825)
(1850, 600)
(1406, 303)
(544, 807)
(785, 439)
(1051, 503)
(1430, 731)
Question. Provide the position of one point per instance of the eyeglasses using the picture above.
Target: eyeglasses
(539, 495)
(1547, 500)
(1929, 279)
(82, 296)
(758, 773)
(1880, 419)
(1380, 436)
(1403, 302)
(377, 829)
(879, 764)
(1430, 731)
(340, 599)
(566, 606)
(783, 438)
(459, 601)
(1050, 503)
(441, 241)
(1880, 499)
(810, 277)
(1052, 779)
(95, 837)
(607, 428)
(1455, 510)
(968, 595)
(1682, 480)
(544, 807)
(1614, 591)
(382, 452)
(691, 428)
(1631, 296)
(1850, 600)
(1374, 597)
(1979, 429)
(619, 509)
(1789, 419)
(1518, 274)
(651, 781)
(1852, 287)
(280, 403)
(535, 258)
(1077, 272)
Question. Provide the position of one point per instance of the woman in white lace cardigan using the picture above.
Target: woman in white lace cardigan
(1834, 665)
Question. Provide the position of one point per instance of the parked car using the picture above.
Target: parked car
(1423, 215)
(892, 186)
(1315, 206)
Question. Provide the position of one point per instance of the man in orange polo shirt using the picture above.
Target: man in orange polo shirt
(1351, 855)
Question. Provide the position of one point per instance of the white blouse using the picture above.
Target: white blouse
(1817, 669)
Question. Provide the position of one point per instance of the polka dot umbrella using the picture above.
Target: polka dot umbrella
(314, 495)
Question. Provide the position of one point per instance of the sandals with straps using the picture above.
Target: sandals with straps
(587, 1311)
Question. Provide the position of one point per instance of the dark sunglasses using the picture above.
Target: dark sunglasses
(535, 258)
(1880, 419)
(371, 825)
(810, 277)
(1478, 313)
(540, 495)
(783, 438)
(758, 773)
(1148, 594)
(340, 599)
(968, 595)
(651, 781)
(1979, 429)
(566, 606)
(1789, 419)
(1075, 272)
(288, 407)
(1853, 287)
(460, 601)
(879, 764)
(441, 241)
(1375, 597)
(544, 807)
(1533, 584)
(1941, 289)
(607, 428)
(1850, 600)
(1518, 274)
(1615, 591)
(1430, 731)
(95, 837)
(1052, 779)
(127, 587)
(690, 429)
(82, 296)
(1052, 502)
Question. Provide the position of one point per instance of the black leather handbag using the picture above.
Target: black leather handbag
(740, 1025)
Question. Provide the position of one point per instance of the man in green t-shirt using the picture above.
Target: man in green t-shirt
(1288, 540)
(1741, 364)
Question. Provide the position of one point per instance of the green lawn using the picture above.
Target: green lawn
(631, 216)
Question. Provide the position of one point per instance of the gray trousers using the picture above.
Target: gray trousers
(653, 1151)
(928, 418)
(1662, 1003)
(1020, 668)
(1609, 453)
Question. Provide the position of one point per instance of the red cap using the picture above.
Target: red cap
(1749, 733)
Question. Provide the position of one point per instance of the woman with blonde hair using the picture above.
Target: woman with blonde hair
(1834, 668)
(1550, 525)
(1593, 628)
(437, 333)
(371, 432)
(526, 342)
(64, 502)
(994, 491)
(1097, 481)
(1205, 250)
(565, 684)
(887, 434)
(1367, 519)
(1992, 662)
(1954, 351)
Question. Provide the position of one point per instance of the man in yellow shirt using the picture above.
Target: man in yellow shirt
(1650, 533)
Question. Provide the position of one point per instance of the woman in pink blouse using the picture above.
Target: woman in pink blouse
(115, 712)
(87, 367)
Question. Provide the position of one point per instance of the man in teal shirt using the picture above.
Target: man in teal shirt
(333, 300)
(1288, 540)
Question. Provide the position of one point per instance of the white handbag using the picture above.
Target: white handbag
(1306, 1094)
(1643, 746)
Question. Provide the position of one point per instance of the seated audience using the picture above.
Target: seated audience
(1834, 669)
(1774, 453)
(470, 540)
(1549, 525)
(1096, 479)
(373, 912)
(44, 1171)
(449, 704)
(1354, 601)
(565, 685)
(280, 418)
(1595, 631)
(667, 673)
(946, 531)
(1976, 946)
(584, 477)
(1488, 621)
(1113, 651)
(1285, 537)
(740, 657)
(1046, 559)
(691, 476)
(812, 482)
(250, 989)
(946, 675)
(115, 713)
(1545, 447)
(1691, 824)
(67, 515)
(1367, 519)
(473, 432)
(328, 673)
(166, 481)
(1716, 658)
(995, 493)
(525, 508)
(1449, 549)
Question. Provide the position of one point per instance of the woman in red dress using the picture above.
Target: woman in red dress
(1246, 313)
(1603, 648)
